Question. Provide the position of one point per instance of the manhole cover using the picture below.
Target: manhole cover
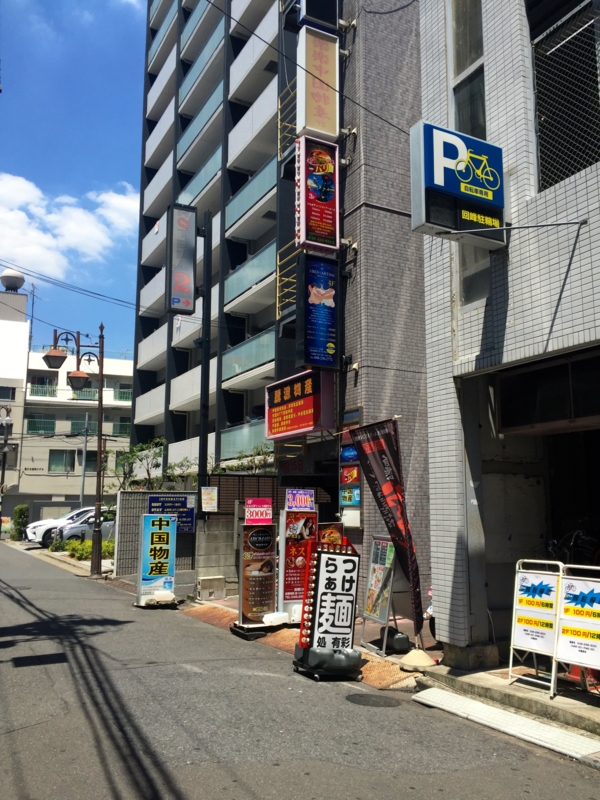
(373, 700)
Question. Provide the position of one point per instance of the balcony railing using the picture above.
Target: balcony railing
(260, 349)
(242, 439)
(42, 391)
(201, 179)
(123, 395)
(85, 394)
(257, 187)
(121, 428)
(251, 272)
(78, 426)
(199, 121)
(209, 48)
(190, 25)
(162, 32)
(47, 426)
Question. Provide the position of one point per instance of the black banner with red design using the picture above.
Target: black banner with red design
(378, 450)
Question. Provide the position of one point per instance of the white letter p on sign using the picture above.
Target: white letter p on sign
(441, 162)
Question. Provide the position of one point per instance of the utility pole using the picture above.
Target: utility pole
(84, 460)
(6, 421)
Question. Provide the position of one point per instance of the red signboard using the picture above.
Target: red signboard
(259, 511)
(349, 475)
(317, 207)
(300, 404)
(300, 528)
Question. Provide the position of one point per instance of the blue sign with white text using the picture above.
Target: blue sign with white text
(182, 505)
(462, 166)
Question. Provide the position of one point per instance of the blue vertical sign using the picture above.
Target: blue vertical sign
(156, 568)
(320, 313)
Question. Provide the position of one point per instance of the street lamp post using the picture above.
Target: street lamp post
(6, 421)
(77, 379)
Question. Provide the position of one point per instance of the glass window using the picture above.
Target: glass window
(7, 392)
(469, 105)
(61, 461)
(474, 266)
(90, 461)
(467, 32)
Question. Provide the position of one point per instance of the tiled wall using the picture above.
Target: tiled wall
(544, 294)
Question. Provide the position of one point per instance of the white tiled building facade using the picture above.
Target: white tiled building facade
(492, 493)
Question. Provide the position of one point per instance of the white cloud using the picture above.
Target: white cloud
(135, 3)
(50, 234)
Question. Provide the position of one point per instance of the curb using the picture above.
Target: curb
(542, 734)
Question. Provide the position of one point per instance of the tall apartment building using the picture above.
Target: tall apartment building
(219, 134)
(44, 462)
(513, 334)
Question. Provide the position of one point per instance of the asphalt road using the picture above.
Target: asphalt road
(102, 700)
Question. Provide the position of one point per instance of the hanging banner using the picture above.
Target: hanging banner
(209, 497)
(258, 555)
(181, 259)
(317, 213)
(300, 528)
(156, 566)
(579, 628)
(330, 593)
(259, 510)
(317, 314)
(317, 84)
(535, 612)
(301, 404)
(379, 455)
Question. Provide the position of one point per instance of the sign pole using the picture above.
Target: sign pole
(205, 369)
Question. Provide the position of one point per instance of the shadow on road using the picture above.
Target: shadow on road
(123, 750)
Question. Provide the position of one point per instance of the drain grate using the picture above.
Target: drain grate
(372, 700)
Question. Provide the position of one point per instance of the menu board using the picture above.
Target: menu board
(257, 567)
(534, 618)
(579, 627)
(379, 580)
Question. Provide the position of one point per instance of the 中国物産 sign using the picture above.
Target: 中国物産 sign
(156, 568)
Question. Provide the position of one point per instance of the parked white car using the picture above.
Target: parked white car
(42, 532)
(83, 528)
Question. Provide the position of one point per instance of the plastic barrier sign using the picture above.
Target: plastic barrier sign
(579, 628)
(534, 623)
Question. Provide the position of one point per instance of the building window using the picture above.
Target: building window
(469, 105)
(467, 33)
(7, 392)
(566, 90)
(90, 461)
(475, 273)
(61, 461)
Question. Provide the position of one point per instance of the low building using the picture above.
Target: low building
(45, 451)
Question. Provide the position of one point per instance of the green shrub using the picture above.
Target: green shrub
(108, 549)
(20, 520)
(15, 536)
(58, 546)
(81, 551)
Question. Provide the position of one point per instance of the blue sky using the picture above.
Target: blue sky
(70, 143)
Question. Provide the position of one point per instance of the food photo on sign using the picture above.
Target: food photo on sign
(300, 528)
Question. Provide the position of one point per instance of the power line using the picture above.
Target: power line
(308, 72)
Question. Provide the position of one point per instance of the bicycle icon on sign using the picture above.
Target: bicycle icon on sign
(465, 168)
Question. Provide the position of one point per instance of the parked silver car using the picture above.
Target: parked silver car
(42, 532)
(84, 527)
